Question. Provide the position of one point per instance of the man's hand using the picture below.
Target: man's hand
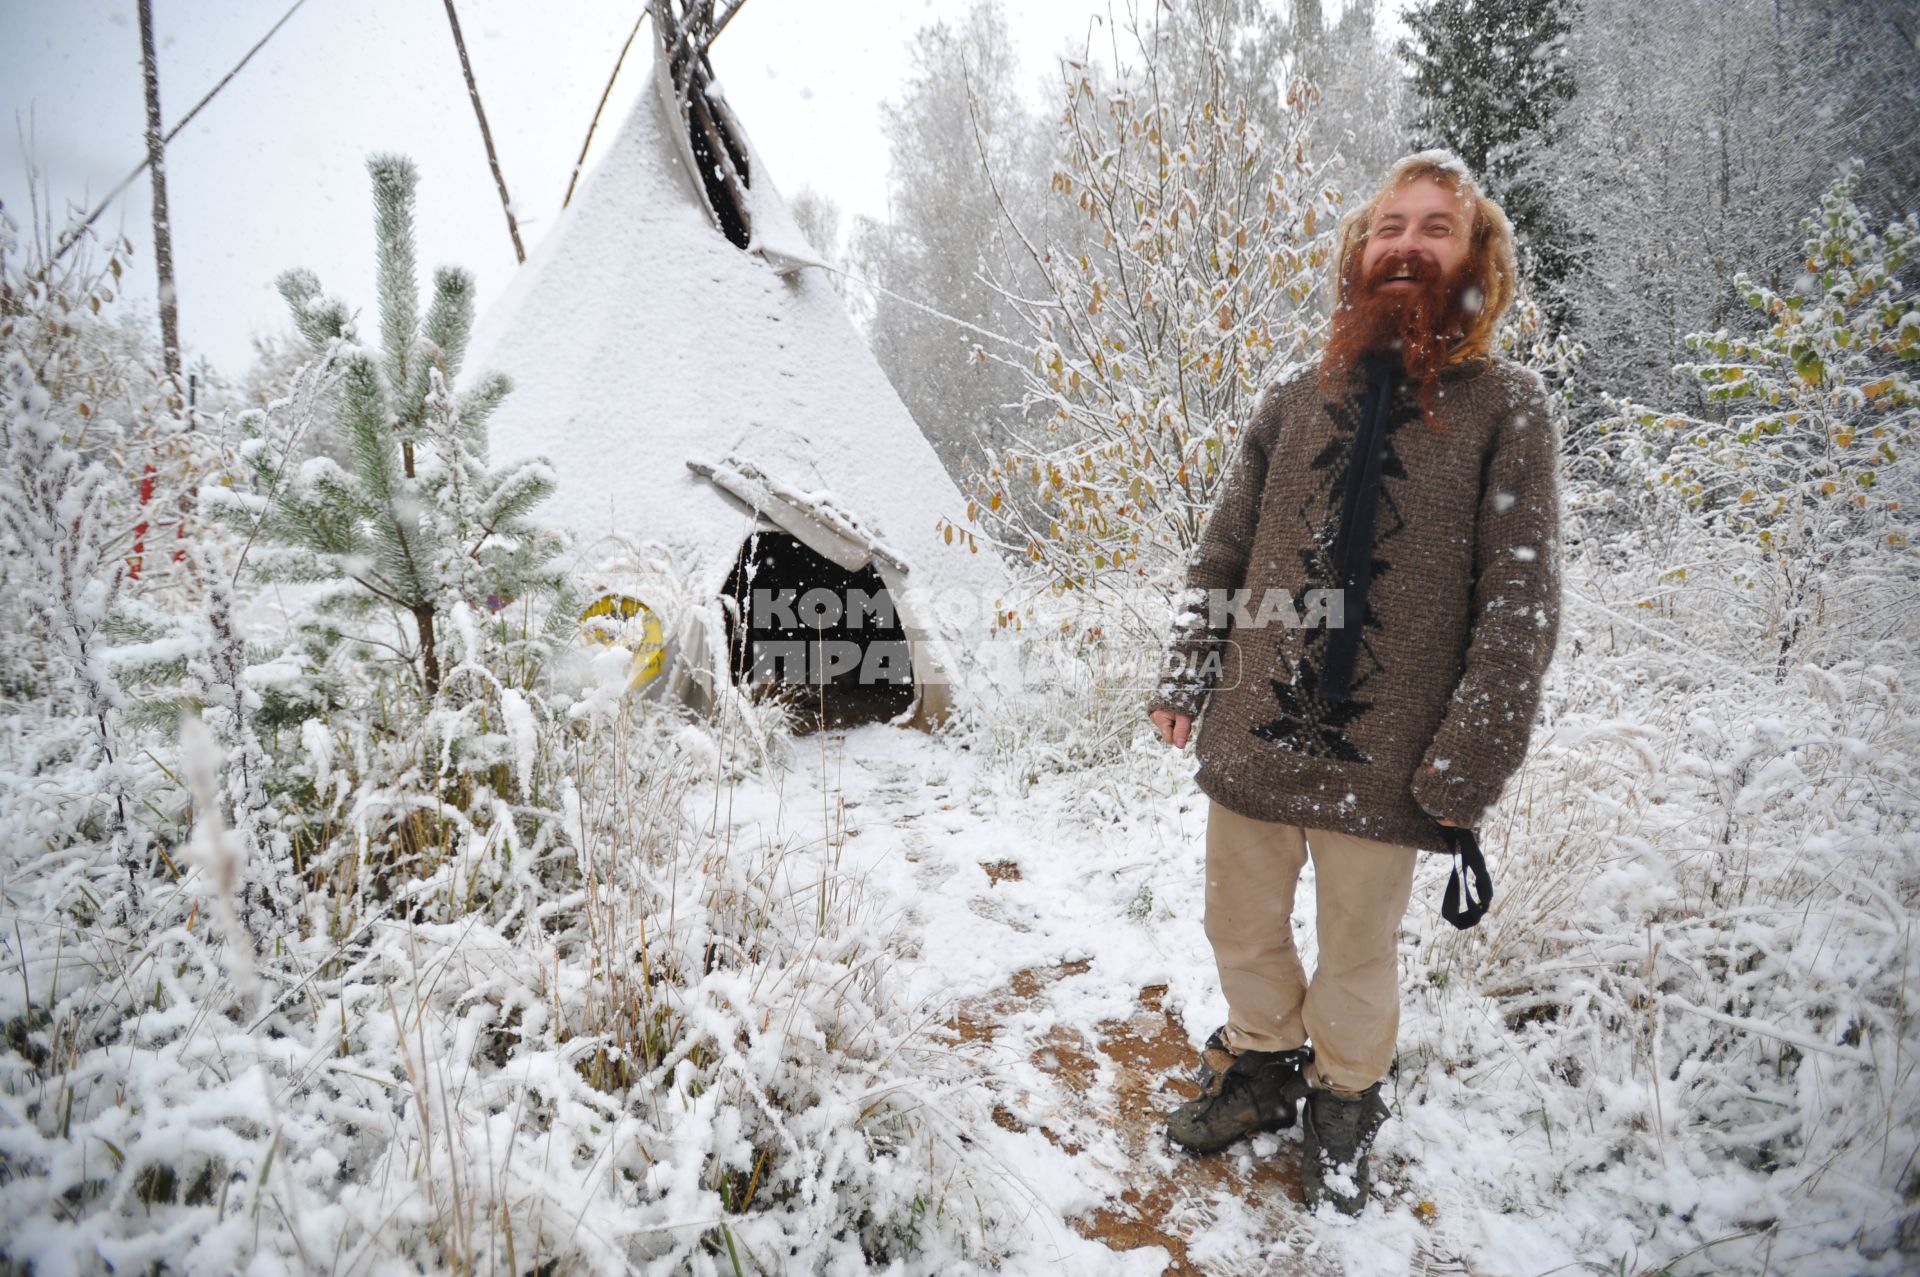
(1429, 771)
(1172, 726)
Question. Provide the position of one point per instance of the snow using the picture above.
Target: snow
(1524, 1170)
(1680, 1042)
(522, 732)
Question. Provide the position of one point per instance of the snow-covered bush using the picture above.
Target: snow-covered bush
(100, 370)
(1205, 239)
(399, 944)
(53, 512)
(647, 1046)
(1811, 480)
(1694, 985)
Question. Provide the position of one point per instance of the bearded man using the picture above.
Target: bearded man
(1413, 478)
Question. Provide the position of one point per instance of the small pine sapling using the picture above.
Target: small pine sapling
(415, 521)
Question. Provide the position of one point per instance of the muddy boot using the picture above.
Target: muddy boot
(1254, 1091)
(1336, 1134)
(1215, 1056)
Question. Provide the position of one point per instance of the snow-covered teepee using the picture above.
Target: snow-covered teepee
(679, 356)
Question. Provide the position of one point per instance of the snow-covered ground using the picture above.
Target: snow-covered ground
(966, 973)
(1680, 1043)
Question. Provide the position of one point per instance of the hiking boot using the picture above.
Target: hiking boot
(1256, 1091)
(1336, 1133)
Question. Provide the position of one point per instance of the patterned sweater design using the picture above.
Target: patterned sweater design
(1462, 614)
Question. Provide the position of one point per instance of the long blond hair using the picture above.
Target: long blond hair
(1492, 243)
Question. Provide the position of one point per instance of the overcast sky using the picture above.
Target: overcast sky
(272, 174)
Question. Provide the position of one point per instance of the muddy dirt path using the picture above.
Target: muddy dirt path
(1123, 1083)
(1090, 1063)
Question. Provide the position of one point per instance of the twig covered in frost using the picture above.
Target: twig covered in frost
(52, 505)
(220, 852)
(222, 673)
(272, 435)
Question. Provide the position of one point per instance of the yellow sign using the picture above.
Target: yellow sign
(618, 620)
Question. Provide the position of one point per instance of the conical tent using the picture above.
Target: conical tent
(715, 400)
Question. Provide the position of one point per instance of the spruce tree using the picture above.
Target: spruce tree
(1490, 78)
(415, 520)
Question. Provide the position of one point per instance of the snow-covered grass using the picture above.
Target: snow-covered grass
(1684, 1029)
(666, 1043)
(1682, 1041)
(572, 979)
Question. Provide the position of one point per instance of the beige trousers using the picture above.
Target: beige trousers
(1351, 1008)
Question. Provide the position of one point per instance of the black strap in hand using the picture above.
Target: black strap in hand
(1469, 869)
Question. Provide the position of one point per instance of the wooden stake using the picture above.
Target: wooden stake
(73, 234)
(162, 225)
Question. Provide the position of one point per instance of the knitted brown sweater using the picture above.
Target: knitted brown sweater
(1462, 613)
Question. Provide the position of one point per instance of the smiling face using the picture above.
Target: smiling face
(1411, 282)
(1425, 269)
(1420, 232)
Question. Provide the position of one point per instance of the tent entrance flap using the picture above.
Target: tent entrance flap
(804, 626)
(830, 532)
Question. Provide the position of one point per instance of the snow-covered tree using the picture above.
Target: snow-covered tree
(1490, 78)
(1363, 118)
(818, 218)
(935, 310)
(1184, 292)
(417, 522)
(1699, 134)
(1814, 462)
(966, 156)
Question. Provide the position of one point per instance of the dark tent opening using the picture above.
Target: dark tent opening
(805, 628)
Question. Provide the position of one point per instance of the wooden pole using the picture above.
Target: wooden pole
(604, 95)
(162, 224)
(73, 235)
(486, 134)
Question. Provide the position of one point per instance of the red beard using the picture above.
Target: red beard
(1421, 322)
